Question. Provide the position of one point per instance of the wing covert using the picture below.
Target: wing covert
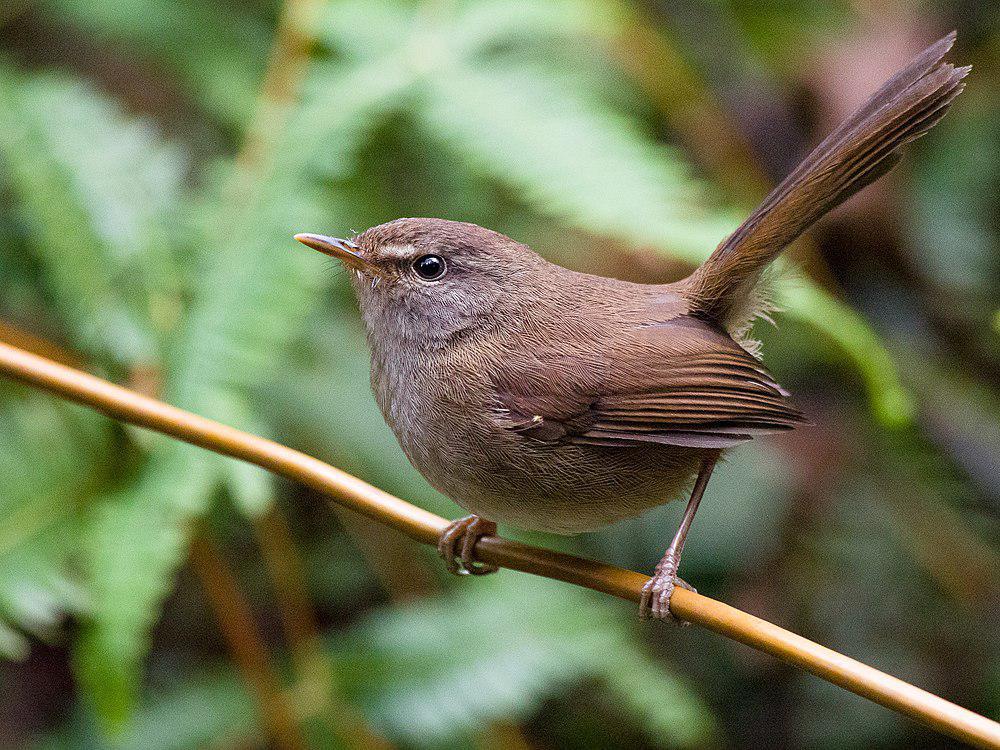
(713, 394)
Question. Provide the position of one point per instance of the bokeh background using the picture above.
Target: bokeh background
(157, 155)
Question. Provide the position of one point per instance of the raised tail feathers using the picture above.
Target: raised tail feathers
(856, 154)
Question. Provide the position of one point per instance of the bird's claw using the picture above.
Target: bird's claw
(458, 542)
(655, 601)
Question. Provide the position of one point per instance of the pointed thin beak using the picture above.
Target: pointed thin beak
(343, 250)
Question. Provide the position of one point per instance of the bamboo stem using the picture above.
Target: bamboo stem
(317, 686)
(249, 651)
(425, 527)
(286, 70)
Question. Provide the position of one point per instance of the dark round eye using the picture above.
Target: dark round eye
(429, 267)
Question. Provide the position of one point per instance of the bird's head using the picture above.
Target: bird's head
(430, 278)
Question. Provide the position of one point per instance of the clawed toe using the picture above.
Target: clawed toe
(458, 542)
(446, 545)
(655, 600)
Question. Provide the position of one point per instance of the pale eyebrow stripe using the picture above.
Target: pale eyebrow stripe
(397, 252)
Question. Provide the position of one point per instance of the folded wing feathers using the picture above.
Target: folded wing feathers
(715, 401)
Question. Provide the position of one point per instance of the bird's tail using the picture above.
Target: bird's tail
(860, 151)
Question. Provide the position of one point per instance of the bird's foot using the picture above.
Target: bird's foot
(457, 545)
(655, 601)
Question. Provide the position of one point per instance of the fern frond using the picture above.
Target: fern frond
(219, 62)
(519, 642)
(50, 459)
(100, 191)
(254, 290)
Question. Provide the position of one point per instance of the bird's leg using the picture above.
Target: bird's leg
(457, 544)
(655, 601)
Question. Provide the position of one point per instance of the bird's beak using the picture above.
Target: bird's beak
(343, 250)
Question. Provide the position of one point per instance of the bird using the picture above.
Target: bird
(548, 399)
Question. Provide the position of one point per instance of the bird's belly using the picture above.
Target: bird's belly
(563, 488)
(513, 479)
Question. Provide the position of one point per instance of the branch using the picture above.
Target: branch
(248, 649)
(425, 527)
(316, 691)
(286, 70)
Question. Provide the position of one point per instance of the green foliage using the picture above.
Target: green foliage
(437, 673)
(171, 257)
(50, 462)
(447, 667)
(100, 193)
(131, 545)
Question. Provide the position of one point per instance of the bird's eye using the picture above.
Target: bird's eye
(429, 267)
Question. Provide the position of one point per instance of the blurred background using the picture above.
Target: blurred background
(156, 157)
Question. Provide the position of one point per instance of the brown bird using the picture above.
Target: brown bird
(559, 401)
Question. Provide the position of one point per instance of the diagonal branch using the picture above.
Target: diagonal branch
(423, 526)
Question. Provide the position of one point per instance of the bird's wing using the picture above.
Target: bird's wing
(680, 383)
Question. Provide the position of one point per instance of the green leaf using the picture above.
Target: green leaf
(439, 670)
(50, 461)
(255, 288)
(133, 543)
(100, 190)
